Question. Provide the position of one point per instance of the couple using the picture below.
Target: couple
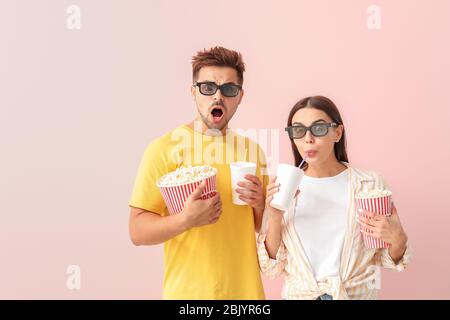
(210, 250)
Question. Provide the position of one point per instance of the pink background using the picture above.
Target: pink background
(78, 108)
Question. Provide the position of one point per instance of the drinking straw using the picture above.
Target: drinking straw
(303, 161)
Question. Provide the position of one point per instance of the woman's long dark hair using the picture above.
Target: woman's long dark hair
(327, 106)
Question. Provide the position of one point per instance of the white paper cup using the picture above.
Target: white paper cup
(238, 171)
(289, 178)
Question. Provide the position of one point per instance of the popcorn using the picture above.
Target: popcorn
(184, 175)
(373, 194)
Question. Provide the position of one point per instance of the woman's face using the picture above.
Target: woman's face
(316, 150)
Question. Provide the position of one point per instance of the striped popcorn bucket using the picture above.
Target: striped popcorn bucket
(380, 205)
(176, 196)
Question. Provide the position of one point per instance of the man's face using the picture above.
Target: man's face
(215, 111)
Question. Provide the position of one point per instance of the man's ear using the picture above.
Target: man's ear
(242, 94)
(193, 92)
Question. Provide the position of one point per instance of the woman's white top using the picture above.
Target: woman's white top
(321, 220)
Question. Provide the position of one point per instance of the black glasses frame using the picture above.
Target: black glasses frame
(218, 87)
(290, 129)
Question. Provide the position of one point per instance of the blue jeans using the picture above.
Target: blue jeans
(325, 297)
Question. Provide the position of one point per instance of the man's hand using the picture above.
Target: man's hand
(251, 192)
(198, 212)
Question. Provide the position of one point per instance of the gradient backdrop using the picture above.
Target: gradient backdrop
(79, 106)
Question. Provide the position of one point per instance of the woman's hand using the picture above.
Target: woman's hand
(386, 228)
(271, 189)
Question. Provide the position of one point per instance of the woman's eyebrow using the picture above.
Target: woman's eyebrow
(312, 123)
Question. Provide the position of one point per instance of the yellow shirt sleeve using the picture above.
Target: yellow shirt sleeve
(146, 195)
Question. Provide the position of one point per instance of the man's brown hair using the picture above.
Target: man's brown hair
(220, 57)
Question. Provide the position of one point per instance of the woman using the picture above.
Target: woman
(317, 244)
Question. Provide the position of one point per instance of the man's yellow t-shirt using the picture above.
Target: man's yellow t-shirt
(216, 261)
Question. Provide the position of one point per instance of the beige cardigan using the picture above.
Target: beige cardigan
(359, 275)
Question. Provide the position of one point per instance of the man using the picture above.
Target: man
(210, 248)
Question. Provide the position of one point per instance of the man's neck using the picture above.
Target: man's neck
(200, 127)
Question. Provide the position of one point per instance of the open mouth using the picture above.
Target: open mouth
(217, 114)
